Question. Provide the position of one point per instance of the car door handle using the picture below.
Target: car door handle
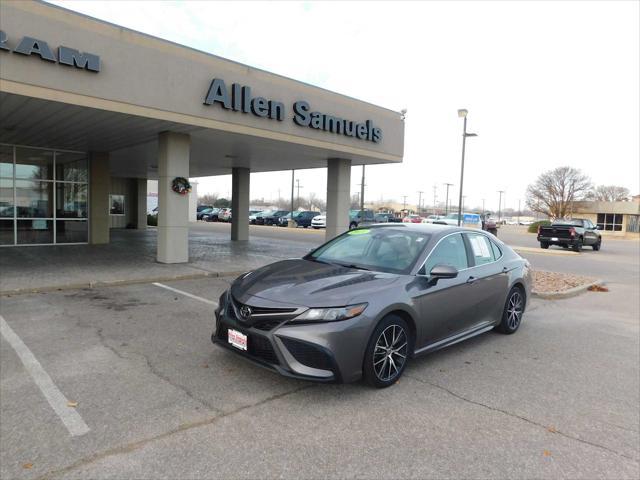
(505, 269)
(470, 280)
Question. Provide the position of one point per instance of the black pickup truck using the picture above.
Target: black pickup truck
(570, 233)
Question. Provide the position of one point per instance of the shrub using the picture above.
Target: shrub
(533, 228)
(152, 220)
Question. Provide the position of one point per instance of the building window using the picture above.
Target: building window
(633, 223)
(611, 222)
(38, 187)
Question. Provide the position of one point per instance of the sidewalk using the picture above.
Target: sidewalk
(131, 258)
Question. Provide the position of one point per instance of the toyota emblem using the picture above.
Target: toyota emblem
(245, 312)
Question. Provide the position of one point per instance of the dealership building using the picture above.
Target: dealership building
(89, 111)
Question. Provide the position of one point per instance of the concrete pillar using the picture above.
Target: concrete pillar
(99, 186)
(142, 203)
(338, 196)
(193, 202)
(173, 208)
(240, 204)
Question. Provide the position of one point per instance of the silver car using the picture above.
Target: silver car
(367, 301)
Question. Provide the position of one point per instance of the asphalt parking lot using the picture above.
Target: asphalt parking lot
(155, 399)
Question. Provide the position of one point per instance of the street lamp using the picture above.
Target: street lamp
(500, 205)
(446, 201)
(462, 113)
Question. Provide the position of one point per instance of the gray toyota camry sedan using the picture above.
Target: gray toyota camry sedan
(367, 301)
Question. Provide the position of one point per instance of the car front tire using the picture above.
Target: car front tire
(387, 352)
(596, 246)
(577, 246)
(544, 245)
(513, 311)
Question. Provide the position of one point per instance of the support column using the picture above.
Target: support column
(173, 209)
(338, 196)
(240, 204)
(142, 203)
(99, 185)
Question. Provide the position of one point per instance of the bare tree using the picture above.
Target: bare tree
(608, 193)
(554, 192)
(208, 199)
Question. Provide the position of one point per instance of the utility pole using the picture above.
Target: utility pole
(362, 196)
(464, 197)
(446, 202)
(293, 176)
(298, 187)
(420, 201)
(435, 189)
(500, 205)
(518, 211)
(463, 113)
(404, 203)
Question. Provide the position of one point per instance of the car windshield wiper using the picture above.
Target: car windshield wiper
(351, 265)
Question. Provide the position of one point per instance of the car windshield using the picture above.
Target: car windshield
(383, 249)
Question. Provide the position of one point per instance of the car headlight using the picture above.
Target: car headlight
(331, 314)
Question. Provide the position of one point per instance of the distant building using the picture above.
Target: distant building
(613, 218)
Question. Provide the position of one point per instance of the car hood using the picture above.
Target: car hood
(308, 283)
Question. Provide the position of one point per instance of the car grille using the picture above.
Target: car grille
(258, 347)
(308, 354)
(263, 318)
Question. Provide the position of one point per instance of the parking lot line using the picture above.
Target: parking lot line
(69, 416)
(186, 294)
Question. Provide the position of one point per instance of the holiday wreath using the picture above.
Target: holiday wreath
(181, 186)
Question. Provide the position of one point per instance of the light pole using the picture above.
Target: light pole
(500, 205)
(420, 201)
(362, 196)
(483, 208)
(462, 113)
(446, 202)
(293, 183)
(404, 203)
(435, 190)
(518, 211)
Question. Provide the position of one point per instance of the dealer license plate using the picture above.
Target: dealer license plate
(237, 339)
(554, 239)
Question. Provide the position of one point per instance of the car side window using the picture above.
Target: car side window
(450, 251)
(497, 253)
(481, 249)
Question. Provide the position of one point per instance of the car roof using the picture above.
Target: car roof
(430, 228)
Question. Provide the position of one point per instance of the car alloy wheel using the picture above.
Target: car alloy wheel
(390, 353)
(515, 307)
(513, 311)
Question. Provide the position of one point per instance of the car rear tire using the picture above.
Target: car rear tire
(513, 311)
(578, 245)
(387, 352)
(544, 245)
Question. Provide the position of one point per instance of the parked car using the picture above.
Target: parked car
(360, 217)
(471, 220)
(386, 218)
(366, 302)
(489, 224)
(201, 213)
(570, 233)
(252, 215)
(432, 218)
(253, 219)
(271, 218)
(225, 215)
(302, 218)
(319, 221)
(199, 208)
(412, 219)
(212, 216)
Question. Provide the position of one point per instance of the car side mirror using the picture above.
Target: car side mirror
(443, 271)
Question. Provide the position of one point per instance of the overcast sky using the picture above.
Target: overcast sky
(546, 83)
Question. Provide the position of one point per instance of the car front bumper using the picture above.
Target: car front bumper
(329, 352)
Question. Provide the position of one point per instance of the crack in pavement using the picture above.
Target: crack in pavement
(524, 419)
(132, 447)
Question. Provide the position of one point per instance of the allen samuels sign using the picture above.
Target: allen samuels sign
(239, 99)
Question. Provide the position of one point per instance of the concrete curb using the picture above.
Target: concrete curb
(116, 283)
(544, 252)
(572, 292)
